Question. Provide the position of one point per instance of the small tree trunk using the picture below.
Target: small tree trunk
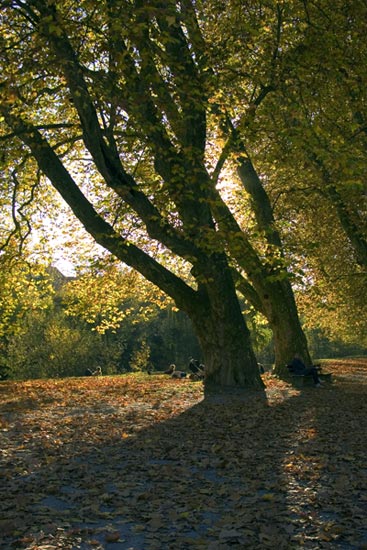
(289, 338)
(277, 297)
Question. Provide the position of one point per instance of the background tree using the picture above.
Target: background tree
(120, 303)
(316, 134)
(21, 291)
(56, 330)
(52, 346)
(63, 333)
(37, 336)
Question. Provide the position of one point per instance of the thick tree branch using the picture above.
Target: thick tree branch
(261, 204)
(248, 291)
(55, 126)
(106, 160)
(100, 230)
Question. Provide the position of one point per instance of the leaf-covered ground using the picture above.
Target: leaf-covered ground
(145, 463)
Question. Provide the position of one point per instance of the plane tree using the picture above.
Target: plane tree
(110, 80)
(316, 170)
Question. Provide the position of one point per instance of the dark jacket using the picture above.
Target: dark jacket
(297, 366)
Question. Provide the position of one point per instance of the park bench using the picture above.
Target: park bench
(306, 379)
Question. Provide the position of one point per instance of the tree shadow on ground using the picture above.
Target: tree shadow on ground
(283, 471)
(324, 471)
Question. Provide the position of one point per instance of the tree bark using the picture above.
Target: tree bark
(224, 337)
(289, 338)
(352, 230)
(228, 356)
(275, 290)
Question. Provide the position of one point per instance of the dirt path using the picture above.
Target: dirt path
(131, 463)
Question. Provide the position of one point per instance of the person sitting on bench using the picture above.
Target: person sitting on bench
(297, 367)
(195, 367)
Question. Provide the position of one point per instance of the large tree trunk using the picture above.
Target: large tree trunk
(223, 334)
(228, 356)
